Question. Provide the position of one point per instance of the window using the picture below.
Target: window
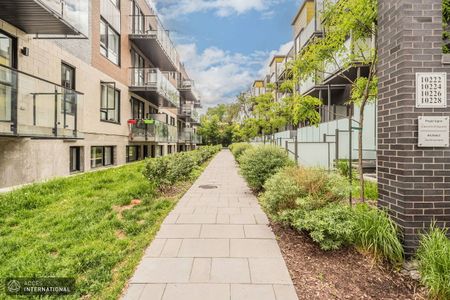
(69, 99)
(172, 121)
(75, 159)
(138, 64)
(8, 57)
(138, 109)
(153, 110)
(138, 19)
(102, 156)
(133, 153)
(110, 103)
(109, 42)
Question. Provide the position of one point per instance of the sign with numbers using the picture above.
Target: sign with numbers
(431, 90)
(434, 131)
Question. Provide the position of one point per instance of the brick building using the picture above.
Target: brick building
(414, 182)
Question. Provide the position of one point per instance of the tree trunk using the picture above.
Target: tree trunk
(360, 150)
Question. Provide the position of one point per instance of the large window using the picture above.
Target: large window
(102, 156)
(109, 42)
(138, 109)
(133, 153)
(110, 103)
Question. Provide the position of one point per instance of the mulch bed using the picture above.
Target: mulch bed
(343, 274)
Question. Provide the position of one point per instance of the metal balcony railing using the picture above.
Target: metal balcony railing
(154, 79)
(33, 107)
(150, 27)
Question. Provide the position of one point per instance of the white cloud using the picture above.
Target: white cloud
(220, 75)
(283, 50)
(174, 8)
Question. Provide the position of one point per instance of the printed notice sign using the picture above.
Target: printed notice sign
(434, 131)
(431, 90)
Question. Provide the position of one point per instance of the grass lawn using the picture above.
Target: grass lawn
(75, 227)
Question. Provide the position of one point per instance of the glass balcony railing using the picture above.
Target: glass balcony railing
(152, 131)
(149, 26)
(354, 52)
(152, 78)
(188, 110)
(33, 107)
(74, 12)
(48, 18)
(187, 135)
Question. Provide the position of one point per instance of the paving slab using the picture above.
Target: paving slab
(216, 244)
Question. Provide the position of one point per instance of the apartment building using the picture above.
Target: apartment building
(323, 144)
(86, 85)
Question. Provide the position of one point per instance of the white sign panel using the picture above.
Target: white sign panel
(431, 90)
(434, 131)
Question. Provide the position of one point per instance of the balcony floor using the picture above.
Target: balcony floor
(34, 18)
(151, 48)
(151, 95)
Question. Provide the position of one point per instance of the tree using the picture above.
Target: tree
(354, 19)
(218, 125)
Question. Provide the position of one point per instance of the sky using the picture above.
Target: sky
(227, 44)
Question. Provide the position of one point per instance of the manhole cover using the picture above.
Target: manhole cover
(208, 187)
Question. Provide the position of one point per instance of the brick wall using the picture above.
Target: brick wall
(414, 182)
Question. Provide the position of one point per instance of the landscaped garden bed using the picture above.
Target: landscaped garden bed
(93, 227)
(334, 250)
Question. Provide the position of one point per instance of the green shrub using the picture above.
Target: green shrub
(371, 190)
(239, 148)
(304, 188)
(165, 171)
(281, 193)
(377, 234)
(343, 167)
(156, 170)
(260, 163)
(434, 263)
(180, 167)
(331, 226)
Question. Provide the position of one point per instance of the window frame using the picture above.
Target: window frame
(79, 160)
(117, 103)
(103, 156)
(72, 101)
(105, 46)
(137, 153)
(141, 109)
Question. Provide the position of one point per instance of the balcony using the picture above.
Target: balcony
(56, 17)
(314, 28)
(188, 111)
(153, 85)
(36, 108)
(149, 35)
(188, 91)
(347, 61)
(188, 136)
(152, 131)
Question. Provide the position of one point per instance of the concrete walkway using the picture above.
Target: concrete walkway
(215, 245)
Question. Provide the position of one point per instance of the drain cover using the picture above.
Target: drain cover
(208, 187)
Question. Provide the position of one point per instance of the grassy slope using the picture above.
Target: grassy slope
(70, 227)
